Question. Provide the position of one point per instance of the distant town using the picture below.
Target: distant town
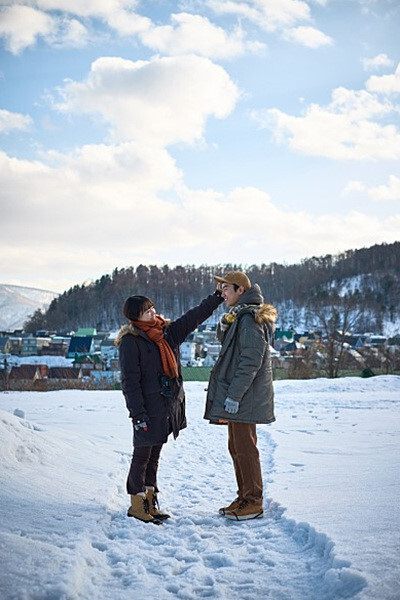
(88, 359)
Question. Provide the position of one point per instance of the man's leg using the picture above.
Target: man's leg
(247, 462)
(234, 455)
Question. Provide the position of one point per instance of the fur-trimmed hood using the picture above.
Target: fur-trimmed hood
(130, 329)
(126, 329)
(264, 313)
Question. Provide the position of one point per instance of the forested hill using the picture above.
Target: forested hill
(370, 276)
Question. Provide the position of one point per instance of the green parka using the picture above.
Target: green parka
(243, 370)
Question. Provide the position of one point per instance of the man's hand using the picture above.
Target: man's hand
(231, 406)
(141, 422)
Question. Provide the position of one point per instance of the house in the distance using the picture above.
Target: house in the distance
(108, 349)
(86, 332)
(26, 376)
(80, 345)
(64, 376)
(5, 345)
(283, 338)
(188, 352)
(57, 347)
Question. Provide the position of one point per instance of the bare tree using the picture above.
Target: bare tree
(334, 317)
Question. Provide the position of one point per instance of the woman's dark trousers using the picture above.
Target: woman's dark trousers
(143, 471)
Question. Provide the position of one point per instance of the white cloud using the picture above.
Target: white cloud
(161, 101)
(10, 121)
(307, 36)
(88, 8)
(385, 84)
(60, 23)
(103, 200)
(354, 186)
(128, 23)
(391, 191)
(22, 21)
(271, 15)
(119, 205)
(71, 32)
(345, 129)
(187, 32)
(21, 25)
(196, 34)
(276, 15)
(380, 61)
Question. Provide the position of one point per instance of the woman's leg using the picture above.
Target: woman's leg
(152, 467)
(136, 481)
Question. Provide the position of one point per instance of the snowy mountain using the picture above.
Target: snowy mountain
(330, 530)
(17, 303)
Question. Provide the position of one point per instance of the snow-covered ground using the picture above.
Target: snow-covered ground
(50, 361)
(331, 526)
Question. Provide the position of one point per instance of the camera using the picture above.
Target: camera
(166, 386)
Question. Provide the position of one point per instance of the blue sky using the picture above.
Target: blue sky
(246, 131)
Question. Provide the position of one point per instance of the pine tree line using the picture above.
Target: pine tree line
(369, 276)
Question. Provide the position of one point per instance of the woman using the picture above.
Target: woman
(153, 388)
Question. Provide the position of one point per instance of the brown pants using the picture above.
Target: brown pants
(242, 445)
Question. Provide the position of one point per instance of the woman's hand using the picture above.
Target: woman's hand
(141, 421)
(218, 291)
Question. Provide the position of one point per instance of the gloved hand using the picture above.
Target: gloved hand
(218, 294)
(141, 422)
(231, 406)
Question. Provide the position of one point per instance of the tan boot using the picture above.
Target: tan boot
(154, 506)
(140, 509)
(234, 504)
(245, 511)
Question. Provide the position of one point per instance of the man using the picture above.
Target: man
(241, 386)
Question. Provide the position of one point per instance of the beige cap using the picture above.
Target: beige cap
(236, 277)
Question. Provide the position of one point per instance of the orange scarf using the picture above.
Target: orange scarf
(155, 331)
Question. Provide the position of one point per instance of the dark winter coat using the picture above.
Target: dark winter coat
(141, 372)
(243, 370)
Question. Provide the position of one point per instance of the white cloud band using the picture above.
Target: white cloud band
(161, 101)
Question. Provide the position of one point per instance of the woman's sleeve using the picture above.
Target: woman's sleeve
(179, 330)
(131, 375)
